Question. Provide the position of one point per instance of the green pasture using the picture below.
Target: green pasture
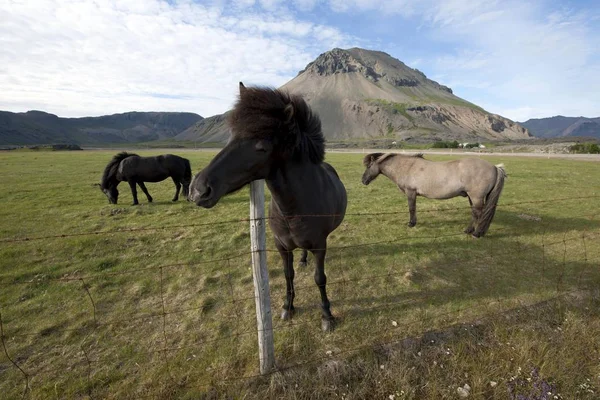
(156, 300)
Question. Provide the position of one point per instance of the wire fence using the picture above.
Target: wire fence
(170, 329)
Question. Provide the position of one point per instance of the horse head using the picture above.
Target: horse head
(373, 168)
(263, 132)
(111, 192)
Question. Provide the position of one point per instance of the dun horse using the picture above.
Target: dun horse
(133, 169)
(474, 178)
(276, 137)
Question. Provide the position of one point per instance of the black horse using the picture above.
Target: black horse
(133, 169)
(276, 137)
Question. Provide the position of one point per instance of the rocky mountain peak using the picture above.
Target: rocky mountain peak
(373, 65)
(333, 62)
(361, 94)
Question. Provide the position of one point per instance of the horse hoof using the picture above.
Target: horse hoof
(286, 315)
(476, 235)
(135, 204)
(411, 224)
(302, 264)
(174, 200)
(327, 325)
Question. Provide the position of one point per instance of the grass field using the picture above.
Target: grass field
(156, 300)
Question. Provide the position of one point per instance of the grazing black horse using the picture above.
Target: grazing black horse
(276, 137)
(134, 169)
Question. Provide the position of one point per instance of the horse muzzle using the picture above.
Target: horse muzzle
(202, 194)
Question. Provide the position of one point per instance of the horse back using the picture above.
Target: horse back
(476, 169)
(145, 169)
(446, 179)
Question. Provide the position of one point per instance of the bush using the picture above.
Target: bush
(440, 144)
(585, 148)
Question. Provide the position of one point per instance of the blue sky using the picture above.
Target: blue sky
(519, 59)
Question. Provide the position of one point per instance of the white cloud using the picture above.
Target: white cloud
(537, 64)
(85, 57)
(464, 61)
(520, 57)
(522, 114)
(91, 57)
(401, 7)
(305, 5)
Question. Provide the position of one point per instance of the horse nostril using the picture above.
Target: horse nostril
(207, 192)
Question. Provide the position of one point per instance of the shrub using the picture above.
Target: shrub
(585, 148)
(440, 144)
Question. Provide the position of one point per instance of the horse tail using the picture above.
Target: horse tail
(491, 201)
(187, 174)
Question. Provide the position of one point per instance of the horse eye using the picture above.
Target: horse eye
(260, 147)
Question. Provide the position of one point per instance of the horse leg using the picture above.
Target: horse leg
(288, 270)
(133, 192)
(143, 187)
(477, 210)
(327, 320)
(185, 186)
(177, 188)
(471, 228)
(411, 195)
(302, 262)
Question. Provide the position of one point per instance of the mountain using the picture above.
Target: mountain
(38, 127)
(209, 130)
(560, 126)
(363, 94)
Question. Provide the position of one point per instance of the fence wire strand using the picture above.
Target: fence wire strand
(290, 217)
(99, 323)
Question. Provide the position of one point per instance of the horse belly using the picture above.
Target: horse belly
(155, 177)
(304, 230)
(150, 175)
(297, 231)
(441, 190)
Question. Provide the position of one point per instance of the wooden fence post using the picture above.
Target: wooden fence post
(261, 277)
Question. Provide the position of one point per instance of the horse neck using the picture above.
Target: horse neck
(116, 177)
(395, 168)
(288, 181)
(112, 181)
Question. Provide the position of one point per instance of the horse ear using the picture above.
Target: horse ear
(288, 112)
(372, 159)
(242, 89)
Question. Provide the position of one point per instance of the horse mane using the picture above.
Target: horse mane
(111, 169)
(281, 117)
(369, 159)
